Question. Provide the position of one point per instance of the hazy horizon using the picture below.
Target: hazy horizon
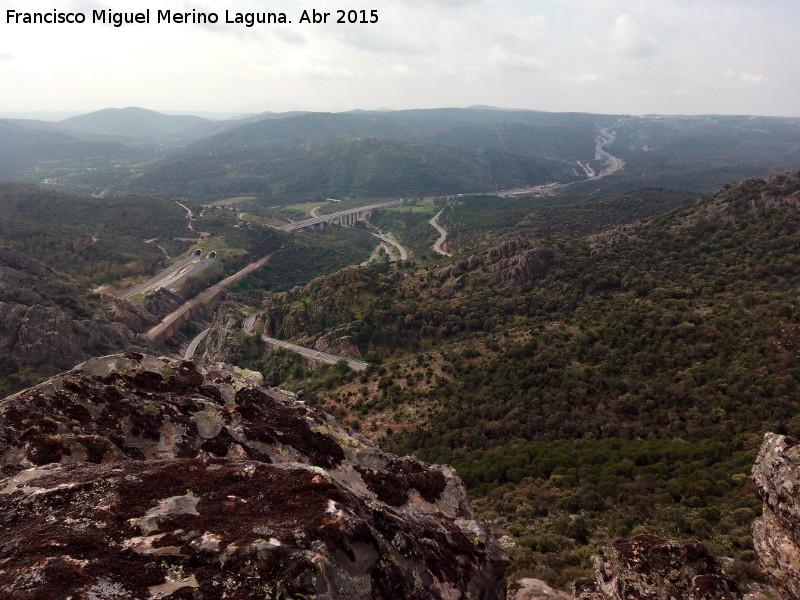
(55, 116)
(616, 57)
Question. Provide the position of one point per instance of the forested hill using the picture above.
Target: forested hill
(95, 240)
(667, 347)
(361, 167)
(320, 154)
(138, 123)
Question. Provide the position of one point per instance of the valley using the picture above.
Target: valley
(590, 317)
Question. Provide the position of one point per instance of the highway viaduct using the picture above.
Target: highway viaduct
(204, 302)
(343, 217)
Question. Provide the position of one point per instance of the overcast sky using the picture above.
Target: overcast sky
(601, 56)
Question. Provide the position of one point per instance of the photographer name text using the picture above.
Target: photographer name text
(192, 17)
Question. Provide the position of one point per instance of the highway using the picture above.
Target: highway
(613, 164)
(606, 138)
(437, 247)
(176, 316)
(192, 347)
(173, 276)
(333, 216)
(355, 365)
(393, 243)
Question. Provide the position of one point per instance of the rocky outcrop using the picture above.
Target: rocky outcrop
(605, 240)
(776, 535)
(534, 589)
(48, 322)
(161, 302)
(751, 197)
(140, 477)
(646, 567)
(221, 341)
(512, 262)
(338, 342)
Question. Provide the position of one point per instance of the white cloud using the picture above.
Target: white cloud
(4, 56)
(503, 59)
(579, 78)
(304, 65)
(631, 40)
(744, 77)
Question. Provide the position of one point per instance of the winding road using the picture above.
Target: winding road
(393, 243)
(612, 165)
(184, 268)
(606, 138)
(192, 347)
(355, 365)
(437, 247)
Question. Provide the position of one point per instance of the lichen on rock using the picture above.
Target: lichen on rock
(133, 476)
(776, 535)
(646, 567)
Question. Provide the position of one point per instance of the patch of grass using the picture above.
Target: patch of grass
(305, 207)
(230, 201)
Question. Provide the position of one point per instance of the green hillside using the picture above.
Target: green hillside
(95, 240)
(363, 167)
(585, 387)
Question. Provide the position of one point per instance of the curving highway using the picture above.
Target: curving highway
(606, 138)
(437, 247)
(192, 347)
(613, 164)
(393, 243)
(330, 359)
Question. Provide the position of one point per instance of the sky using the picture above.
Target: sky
(599, 56)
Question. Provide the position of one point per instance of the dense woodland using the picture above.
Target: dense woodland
(478, 221)
(95, 240)
(625, 377)
(311, 254)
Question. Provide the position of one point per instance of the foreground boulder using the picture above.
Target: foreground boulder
(534, 589)
(646, 567)
(140, 477)
(776, 535)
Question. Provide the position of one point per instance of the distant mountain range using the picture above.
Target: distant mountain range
(285, 157)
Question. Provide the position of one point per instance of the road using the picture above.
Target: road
(173, 276)
(355, 365)
(331, 217)
(393, 243)
(613, 164)
(606, 138)
(437, 247)
(168, 321)
(587, 169)
(189, 215)
(192, 347)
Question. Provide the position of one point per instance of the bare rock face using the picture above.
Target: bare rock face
(140, 477)
(339, 342)
(221, 341)
(512, 262)
(646, 567)
(162, 301)
(48, 322)
(535, 589)
(776, 535)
